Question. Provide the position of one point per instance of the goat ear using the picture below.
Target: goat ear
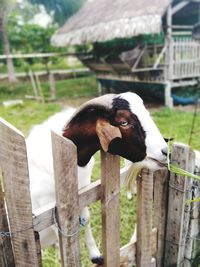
(106, 133)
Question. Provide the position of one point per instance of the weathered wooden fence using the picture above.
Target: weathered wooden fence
(168, 229)
(186, 58)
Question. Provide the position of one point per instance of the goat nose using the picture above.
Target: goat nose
(165, 151)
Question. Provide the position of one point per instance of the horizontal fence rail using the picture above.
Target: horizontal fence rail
(167, 228)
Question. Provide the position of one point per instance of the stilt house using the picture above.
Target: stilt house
(138, 41)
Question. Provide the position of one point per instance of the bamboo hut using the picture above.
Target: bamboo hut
(138, 41)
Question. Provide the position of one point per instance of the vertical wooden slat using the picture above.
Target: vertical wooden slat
(144, 218)
(110, 181)
(66, 183)
(192, 248)
(175, 239)
(160, 211)
(6, 253)
(13, 160)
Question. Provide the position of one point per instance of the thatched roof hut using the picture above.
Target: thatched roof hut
(103, 20)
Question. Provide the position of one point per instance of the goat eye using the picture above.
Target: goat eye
(124, 123)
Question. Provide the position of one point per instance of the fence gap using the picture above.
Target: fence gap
(67, 206)
(13, 161)
(110, 182)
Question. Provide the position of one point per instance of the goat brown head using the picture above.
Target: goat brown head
(106, 123)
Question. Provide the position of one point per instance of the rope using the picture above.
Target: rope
(9, 233)
(82, 223)
(59, 229)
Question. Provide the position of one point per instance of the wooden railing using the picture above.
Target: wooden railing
(167, 226)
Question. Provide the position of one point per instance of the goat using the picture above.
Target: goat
(118, 124)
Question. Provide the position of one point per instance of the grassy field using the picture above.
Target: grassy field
(174, 123)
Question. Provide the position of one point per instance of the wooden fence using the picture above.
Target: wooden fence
(185, 58)
(167, 228)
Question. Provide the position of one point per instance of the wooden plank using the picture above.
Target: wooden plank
(110, 167)
(128, 252)
(144, 218)
(175, 232)
(43, 216)
(89, 194)
(13, 161)
(67, 210)
(34, 85)
(192, 248)
(6, 253)
(160, 210)
(52, 86)
(160, 56)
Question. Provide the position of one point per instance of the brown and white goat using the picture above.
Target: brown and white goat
(118, 124)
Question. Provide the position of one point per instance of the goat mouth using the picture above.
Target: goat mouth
(159, 163)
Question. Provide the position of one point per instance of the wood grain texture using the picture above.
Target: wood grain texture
(110, 183)
(6, 253)
(144, 218)
(160, 211)
(67, 206)
(128, 252)
(13, 160)
(176, 225)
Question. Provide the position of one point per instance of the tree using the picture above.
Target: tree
(5, 9)
(62, 9)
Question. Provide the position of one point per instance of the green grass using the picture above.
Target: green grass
(177, 124)
(172, 123)
(69, 93)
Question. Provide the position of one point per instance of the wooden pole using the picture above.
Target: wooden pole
(6, 253)
(144, 218)
(13, 161)
(169, 59)
(110, 182)
(67, 206)
(177, 221)
(160, 211)
(52, 86)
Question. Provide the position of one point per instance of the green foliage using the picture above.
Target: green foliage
(5, 7)
(30, 37)
(62, 9)
(115, 46)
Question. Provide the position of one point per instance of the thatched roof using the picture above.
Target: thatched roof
(102, 20)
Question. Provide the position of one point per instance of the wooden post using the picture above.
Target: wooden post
(192, 248)
(6, 253)
(110, 181)
(176, 225)
(67, 209)
(33, 83)
(144, 218)
(160, 211)
(168, 98)
(169, 59)
(52, 86)
(13, 161)
(41, 96)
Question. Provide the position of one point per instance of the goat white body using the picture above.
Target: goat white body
(103, 129)
(42, 185)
